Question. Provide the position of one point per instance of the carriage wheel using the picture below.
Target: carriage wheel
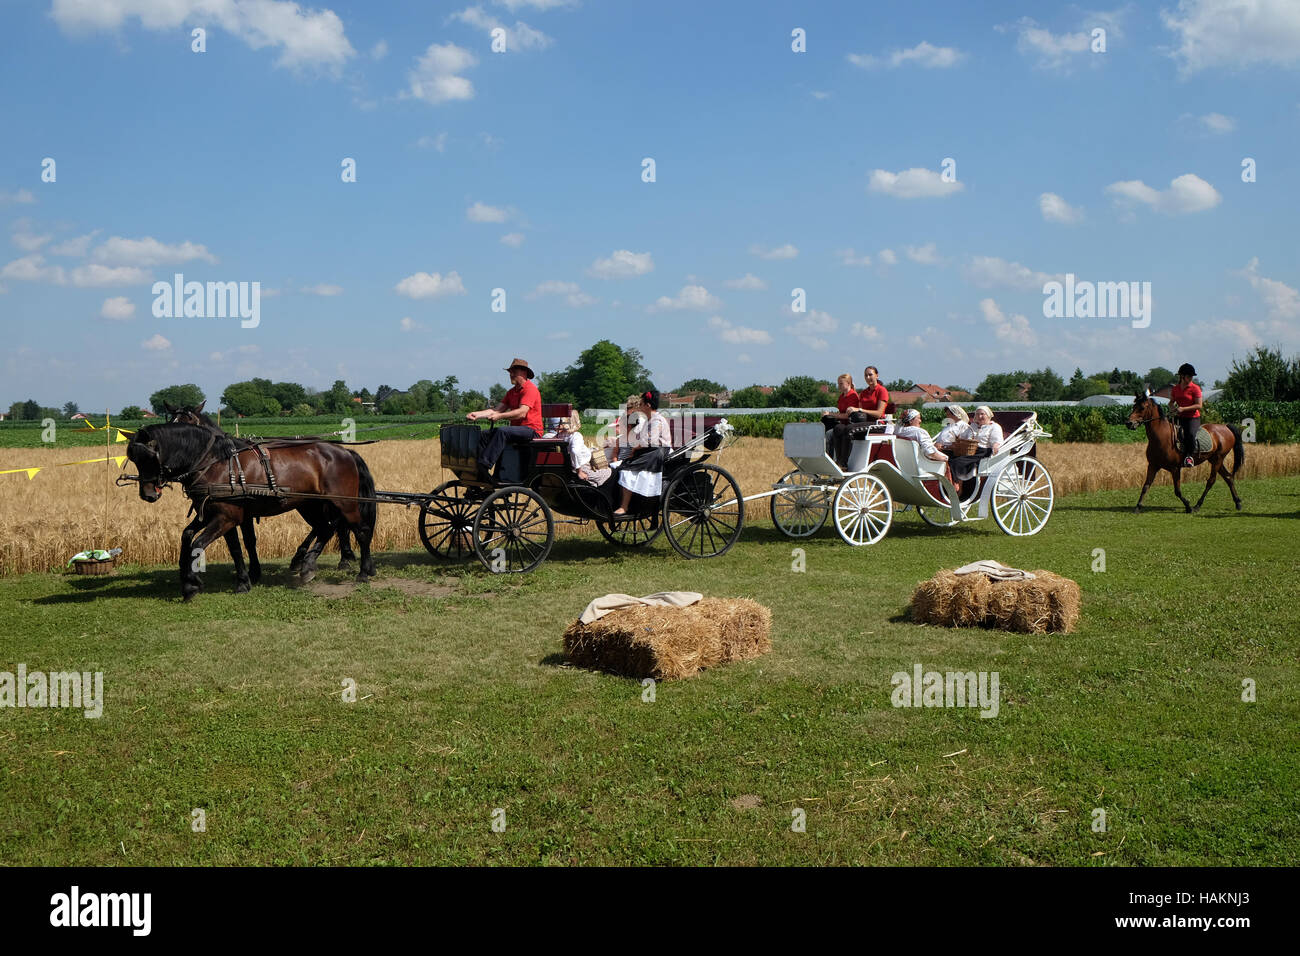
(1022, 497)
(703, 511)
(513, 531)
(799, 512)
(863, 509)
(447, 521)
(936, 516)
(632, 532)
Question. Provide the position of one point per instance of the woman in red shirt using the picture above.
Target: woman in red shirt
(848, 399)
(1186, 395)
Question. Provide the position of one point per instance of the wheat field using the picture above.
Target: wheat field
(47, 519)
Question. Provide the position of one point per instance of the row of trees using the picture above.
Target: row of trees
(1047, 386)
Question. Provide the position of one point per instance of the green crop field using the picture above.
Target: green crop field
(233, 705)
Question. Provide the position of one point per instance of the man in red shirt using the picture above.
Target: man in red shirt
(1186, 396)
(521, 407)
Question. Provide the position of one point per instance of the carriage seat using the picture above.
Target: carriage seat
(913, 462)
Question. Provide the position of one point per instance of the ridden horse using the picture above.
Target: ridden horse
(193, 415)
(1164, 452)
(304, 474)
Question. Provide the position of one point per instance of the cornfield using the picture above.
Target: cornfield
(45, 520)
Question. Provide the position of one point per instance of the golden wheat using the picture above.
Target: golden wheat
(44, 521)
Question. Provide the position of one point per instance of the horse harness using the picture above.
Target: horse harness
(237, 485)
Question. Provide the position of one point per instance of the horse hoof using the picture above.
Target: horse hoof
(345, 565)
(1238, 505)
(364, 578)
(1137, 511)
(306, 577)
(255, 577)
(243, 588)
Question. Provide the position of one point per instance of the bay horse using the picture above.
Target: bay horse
(307, 475)
(1164, 453)
(193, 415)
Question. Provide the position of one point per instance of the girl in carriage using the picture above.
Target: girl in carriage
(643, 473)
(580, 453)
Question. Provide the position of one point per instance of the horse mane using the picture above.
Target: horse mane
(177, 442)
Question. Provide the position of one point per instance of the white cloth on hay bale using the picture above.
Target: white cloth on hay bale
(612, 602)
(995, 570)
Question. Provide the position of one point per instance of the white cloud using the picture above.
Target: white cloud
(573, 294)
(622, 265)
(923, 54)
(990, 271)
(76, 247)
(155, 344)
(434, 78)
(17, 196)
(323, 288)
(519, 37)
(305, 38)
(28, 242)
(811, 326)
(786, 251)
(864, 331)
(820, 95)
(1187, 193)
(148, 252)
(481, 212)
(850, 258)
(438, 142)
(926, 255)
(379, 50)
(513, 5)
(33, 269)
(1234, 34)
(694, 297)
(118, 307)
(409, 324)
(738, 334)
(425, 285)
(747, 283)
(1283, 301)
(96, 274)
(1011, 329)
(916, 183)
(1059, 51)
(1217, 123)
(887, 257)
(513, 239)
(1056, 209)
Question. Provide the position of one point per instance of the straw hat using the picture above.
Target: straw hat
(959, 413)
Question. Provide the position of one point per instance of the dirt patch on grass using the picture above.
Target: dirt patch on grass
(439, 588)
(747, 801)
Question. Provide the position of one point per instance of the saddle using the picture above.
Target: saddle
(1204, 442)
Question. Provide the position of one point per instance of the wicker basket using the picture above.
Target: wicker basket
(964, 446)
(92, 566)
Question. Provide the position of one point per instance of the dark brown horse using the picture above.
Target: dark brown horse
(308, 476)
(193, 415)
(1163, 451)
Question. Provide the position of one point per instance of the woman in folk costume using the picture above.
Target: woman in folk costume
(955, 421)
(987, 434)
(643, 474)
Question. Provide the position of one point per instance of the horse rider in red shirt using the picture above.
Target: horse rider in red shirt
(1186, 396)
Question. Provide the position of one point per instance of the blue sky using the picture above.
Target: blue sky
(522, 170)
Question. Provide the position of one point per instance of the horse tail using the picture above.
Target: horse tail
(1238, 449)
(366, 490)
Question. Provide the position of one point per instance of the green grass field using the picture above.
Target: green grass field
(233, 704)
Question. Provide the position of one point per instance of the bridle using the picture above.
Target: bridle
(166, 476)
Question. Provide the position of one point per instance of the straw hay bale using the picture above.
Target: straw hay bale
(1047, 603)
(669, 643)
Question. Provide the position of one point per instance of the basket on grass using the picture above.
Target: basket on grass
(94, 565)
(964, 446)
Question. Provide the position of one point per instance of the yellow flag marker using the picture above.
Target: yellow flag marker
(90, 461)
(121, 436)
(31, 472)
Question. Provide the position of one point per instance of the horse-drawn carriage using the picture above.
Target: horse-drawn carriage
(886, 472)
(508, 522)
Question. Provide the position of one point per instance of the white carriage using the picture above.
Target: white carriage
(887, 472)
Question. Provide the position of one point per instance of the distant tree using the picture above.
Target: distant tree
(1000, 387)
(244, 398)
(1159, 377)
(1079, 387)
(802, 391)
(1046, 385)
(472, 400)
(288, 394)
(31, 410)
(603, 377)
(70, 409)
(958, 388)
(338, 400)
(303, 410)
(750, 397)
(131, 412)
(899, 385)
(496, 393)
(270, 407)
(176, 395)
(706, 385)
(1264, 376)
